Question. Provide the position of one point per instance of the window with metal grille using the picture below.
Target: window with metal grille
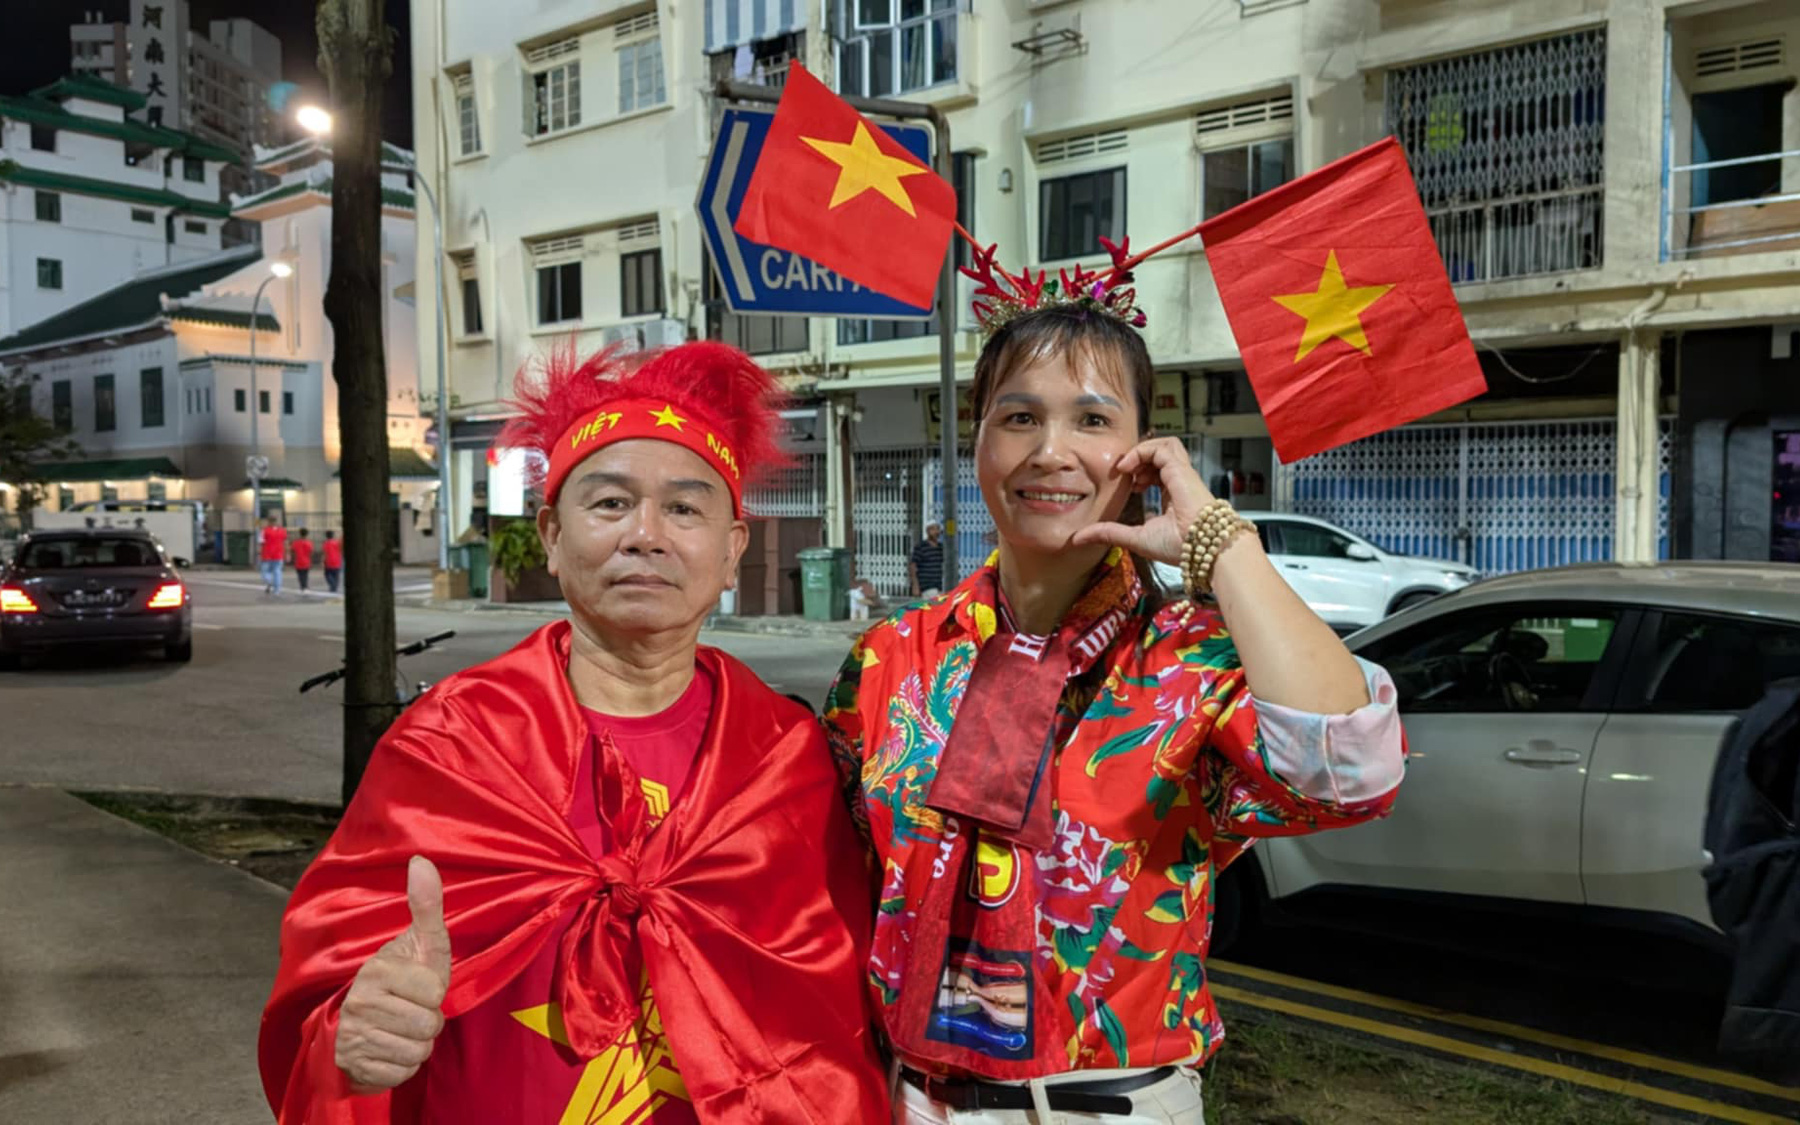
(1508, 150)
(552, 88)
(150, 396)
(468, 124)
(106, 414)
(49, 207)
(896, 46)
(1074, 212)
(62, 405)
(640, 283)
(49, 273)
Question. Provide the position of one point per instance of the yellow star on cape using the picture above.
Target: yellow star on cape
(1334, 310)
(667, 417)
(862, 166)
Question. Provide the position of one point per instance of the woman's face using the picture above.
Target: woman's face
(1052, 432)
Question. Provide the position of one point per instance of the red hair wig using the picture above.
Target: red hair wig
(714, 383)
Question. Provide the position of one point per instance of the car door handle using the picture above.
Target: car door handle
(1542, 752)
(1295, 566)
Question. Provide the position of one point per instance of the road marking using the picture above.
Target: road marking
(335, 638)
(208, 628)
(1496, 1057)
(1514, 1031)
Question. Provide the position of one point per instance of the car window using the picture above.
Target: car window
(1497, 659)
(1701, 662)
(1265, 531)
(74, 554)
(1313, 541)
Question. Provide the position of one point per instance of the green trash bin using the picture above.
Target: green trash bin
(237, 548)
(825, 583)
(473, 557)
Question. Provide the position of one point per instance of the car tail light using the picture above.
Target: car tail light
(169, 595)
(15, 600)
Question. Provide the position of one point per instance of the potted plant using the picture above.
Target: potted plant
(519, 571)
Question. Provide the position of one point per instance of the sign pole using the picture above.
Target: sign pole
(946, 310)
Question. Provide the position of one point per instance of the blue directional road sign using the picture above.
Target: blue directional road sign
(763, 279)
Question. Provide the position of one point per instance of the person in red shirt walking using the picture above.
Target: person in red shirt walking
(334, 560)
(273, 555)
(303, 559)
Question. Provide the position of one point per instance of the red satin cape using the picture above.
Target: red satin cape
(749, 907)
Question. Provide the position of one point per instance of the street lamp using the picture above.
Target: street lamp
(318, 122)
(277, 268)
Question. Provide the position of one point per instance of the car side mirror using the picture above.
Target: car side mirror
(1361, 552)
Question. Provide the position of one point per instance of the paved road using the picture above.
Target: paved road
(232, 721)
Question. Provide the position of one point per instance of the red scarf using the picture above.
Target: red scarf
(748, 907)
(994, 784)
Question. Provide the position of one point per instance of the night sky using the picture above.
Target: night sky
(35, 51)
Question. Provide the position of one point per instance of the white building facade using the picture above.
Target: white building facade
(1555, 146)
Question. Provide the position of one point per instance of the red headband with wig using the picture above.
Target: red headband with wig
(706, 397)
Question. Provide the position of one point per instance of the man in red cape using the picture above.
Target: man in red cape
(606, 877)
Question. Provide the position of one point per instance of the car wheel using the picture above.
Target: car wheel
(1237, 906)
(1419, 597)
(181, 653)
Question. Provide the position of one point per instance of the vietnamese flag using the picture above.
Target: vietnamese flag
(1340, 304)
(835, 189)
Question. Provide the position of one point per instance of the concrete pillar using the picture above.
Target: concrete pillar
(1637, 469)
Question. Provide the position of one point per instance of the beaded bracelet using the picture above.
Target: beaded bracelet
(1207, 537)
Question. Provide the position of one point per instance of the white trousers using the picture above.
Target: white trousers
(1173, 1101)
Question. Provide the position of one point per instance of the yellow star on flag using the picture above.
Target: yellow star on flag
(1334, 310)
(667, 417)
(862, 166)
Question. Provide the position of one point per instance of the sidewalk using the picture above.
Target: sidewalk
(132, 972)
(787, 626)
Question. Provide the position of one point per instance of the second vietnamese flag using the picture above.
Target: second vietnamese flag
(831, 187)
(1340, 304)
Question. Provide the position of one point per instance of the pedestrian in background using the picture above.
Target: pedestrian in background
(273, 555)
(303, 559)
(334, 560)
(927, 563)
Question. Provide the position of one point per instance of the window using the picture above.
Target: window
(193, 227)
(1507, 148)
(640, 64)
(62, 405)
(65, 497)
(193, 170)
(1696, 662)
(150, 396)
(883, 331)
(1737, 124)
(468, 124)
(1292, 537)
(1075, 211)
(471, 292)
(899, 46)
(106, 417)
(49, 207)
(262, 402)
(49, 273)
(559, 292)
(553, 88)
(640, 283)
(142, 215)
(208, 407)
(756, 335)
(1230, 176)
(1538, 658)
(287, 403)
(240, 397)
(962, 180)
(156, 492)
(43, 138)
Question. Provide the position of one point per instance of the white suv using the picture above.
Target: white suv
(1346, 580)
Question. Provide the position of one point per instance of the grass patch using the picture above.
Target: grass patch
(274, 840)
(1273, 1071)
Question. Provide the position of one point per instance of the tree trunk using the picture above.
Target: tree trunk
(354, 52)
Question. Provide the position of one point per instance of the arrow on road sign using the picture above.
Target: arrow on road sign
(764, 279)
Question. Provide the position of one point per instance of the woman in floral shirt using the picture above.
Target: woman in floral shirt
(1053, 764)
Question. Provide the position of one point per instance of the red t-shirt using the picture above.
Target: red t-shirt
(507, 1060)
(334, 554)
(303, 554)
(274, 544)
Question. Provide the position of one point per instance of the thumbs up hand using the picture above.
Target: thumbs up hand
(393, 1012)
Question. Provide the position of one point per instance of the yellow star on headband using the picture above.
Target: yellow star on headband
(667, 417)
(862, 166)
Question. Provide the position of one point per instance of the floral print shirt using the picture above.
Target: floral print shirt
(1162, 775)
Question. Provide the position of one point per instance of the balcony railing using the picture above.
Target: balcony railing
(1521, 236)
(1749, 225)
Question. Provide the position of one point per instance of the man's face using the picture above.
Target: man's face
(934, 532)
(643, 539)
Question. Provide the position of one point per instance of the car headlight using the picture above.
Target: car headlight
(1458, 577)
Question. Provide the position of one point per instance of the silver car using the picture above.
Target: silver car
(103, 588)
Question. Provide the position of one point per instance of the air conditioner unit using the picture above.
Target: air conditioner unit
(645, 334)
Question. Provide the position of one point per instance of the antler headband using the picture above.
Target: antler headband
(1001, 298)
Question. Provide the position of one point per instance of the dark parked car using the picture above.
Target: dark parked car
(100, 588)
